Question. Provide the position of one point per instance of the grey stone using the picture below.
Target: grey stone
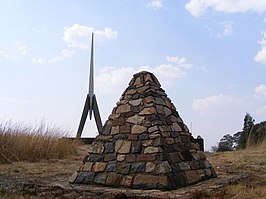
(100, 178)
(137, 167)
(111, 167)
(108, 147)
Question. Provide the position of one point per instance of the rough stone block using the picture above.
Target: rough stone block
(150, 182)
(87, 166)
(126, 181)
(100, 178)
(169, 140)
(174, 157)
(137, 167)
(89, 177)
(111, 167)
(136, 119)
(123, 108)
(163, 167)
(151, 149)
(176, 127)
(138, 129)
(118, 121)
(122, 146)
(150, 167)
(109, 157)
(125, 128)
(108, 147)
(120, 157)
(143, 136)
(96, 147)
(136, 147)
(95, 158)
(192, 176)
(146, 157)
(123, 168)
(130, 158)
(148, 111)
(135, 102)
(184, 166)
(120, 137)
(114, 179)
(115, 130)
(99, 166)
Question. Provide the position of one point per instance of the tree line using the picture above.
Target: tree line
(251, 135)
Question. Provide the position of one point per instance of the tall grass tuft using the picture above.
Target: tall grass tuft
(25, 142)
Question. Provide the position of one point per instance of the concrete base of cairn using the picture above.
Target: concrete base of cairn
(144, 144)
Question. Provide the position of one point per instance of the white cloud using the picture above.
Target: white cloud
(78, 36)
(114, 78)
(180, 61)
(21, 49)
(261, 54)
(227, 29)
(155, 4)
(64, 54)
(215, 101)
(198, 7)
(4, 54)
(261, 90)
(12, 100)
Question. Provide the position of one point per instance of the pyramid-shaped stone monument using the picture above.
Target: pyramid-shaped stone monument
(144, 144)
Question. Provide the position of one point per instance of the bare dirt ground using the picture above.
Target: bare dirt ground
(241, 174)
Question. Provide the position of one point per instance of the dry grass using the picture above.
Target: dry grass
(24, 142)
(251, 161)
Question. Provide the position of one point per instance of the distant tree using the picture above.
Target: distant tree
(257, 134)
(241, 138)
(226, 143)
(214, 148)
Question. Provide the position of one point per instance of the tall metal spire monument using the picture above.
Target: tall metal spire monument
(91, 102)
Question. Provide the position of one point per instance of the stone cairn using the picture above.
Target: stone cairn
(144, 144)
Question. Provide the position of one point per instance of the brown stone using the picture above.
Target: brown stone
(114, 179)
(99, 166)
(185, 138)
(123, 108)
(122, 146)
(135, 102)
(131, 158)
(132, 137)
(163, 167)
(125, 128)
(136, 119)
(147, 143)
(120, 158)
(151, 149)
(153, 129)
(123, 168)
(192, 176)
(175, 157)
(115, 130)
(109, 157)
(87, 166)
(167, 111)
(176, 127)
(150, 182)
(150, 167)
(146, 158)
(138, 129)
(126, 181)
(148, 111)
(170, 140)
(96, 147)
(114, 116)
(118, 121)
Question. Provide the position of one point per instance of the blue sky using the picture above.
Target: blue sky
(210, 57)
